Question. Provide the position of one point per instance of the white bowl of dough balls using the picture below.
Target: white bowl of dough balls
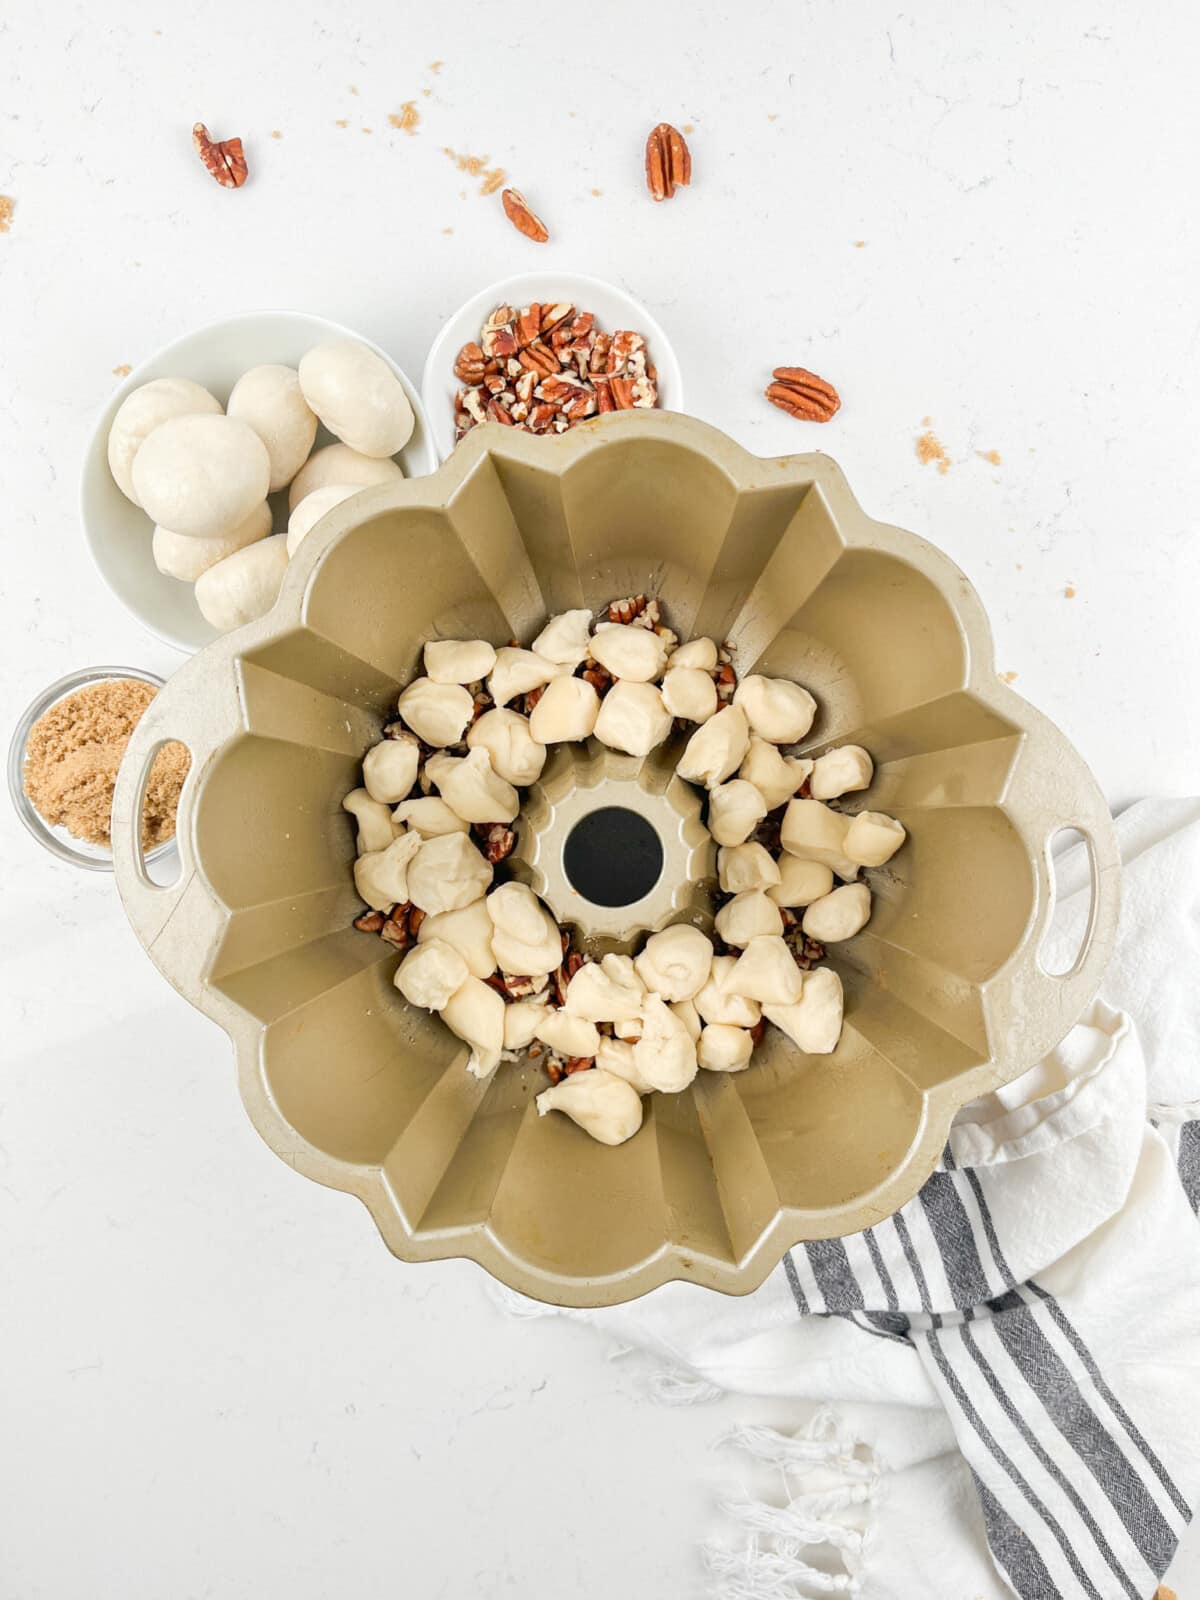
(217, 456)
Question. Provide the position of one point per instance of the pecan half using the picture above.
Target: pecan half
(522, 218)
(626, 610)
(668, 161)
(470, 364)
(803, 394)
(224, 158)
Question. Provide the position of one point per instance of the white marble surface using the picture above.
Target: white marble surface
(213, 1379)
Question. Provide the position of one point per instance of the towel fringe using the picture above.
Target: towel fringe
(673, 1386)
(825, 1476)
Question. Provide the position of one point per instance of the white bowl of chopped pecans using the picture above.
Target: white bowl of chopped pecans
(564, 349)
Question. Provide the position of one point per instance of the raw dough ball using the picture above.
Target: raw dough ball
(766, 970)
(518, 671)
(747, 915)
(145, 409)
(201, 476)
(430, 974)
(376, 830)
(566, 710)
(735, 809)
(776, 777)
(716, 748)
(177, 556)
(436, 712)
(469, 786)
(689, 693)
(357, 396)
(244, 586)
(458, 660)
(814, 1024)
(629, 652)
(800, 882)
(525, 937)
(269, 400)
(616, 1056)
(447, 874)
(665, 1055)
(469, 931)
(841, 771)
(337, 463)
(776, 708)
(598, 1102)
(312, 508)
(872, 838)
(601, 995)
(686, 1011)
(569, 1036)
(381, 876)
(430, 816)
(839, 915)
(476, 1014)
(747, 866)
(390, 769)
(724, 1048)
(566, 638)
(815, 833)
(516, 754)
(717, 1003)
(633, 718)
(676, 962)
(522, 1019)
(700, 653)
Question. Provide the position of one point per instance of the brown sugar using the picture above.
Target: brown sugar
(72, 755)
(929, 448)
(7, 207)
(409, 118)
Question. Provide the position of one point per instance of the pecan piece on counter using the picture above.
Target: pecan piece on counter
(525, 221)
(224, 158)
(668, 161)
(803, 394)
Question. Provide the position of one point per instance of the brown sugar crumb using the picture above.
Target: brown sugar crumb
(72, 755)
(427, 93)
(989, 455)
(368, 130)
(436, 66)
(1008, 677)
(7, 207)
(477, 167)
(1069, 592)
(772, 116)
(689, 127)
(447, 230)
(493, 180)
(929, 448)
(341, 122)
(353, 89)
(860, 244)
(407, 119)
(123, 370)
(276, 134)
(597, 193)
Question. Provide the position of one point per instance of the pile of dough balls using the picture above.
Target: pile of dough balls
(202, 473)
(489, 956)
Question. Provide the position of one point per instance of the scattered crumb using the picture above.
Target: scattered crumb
(926, 421)
(7, 207)
(447, 230)
(353, 88)
(597, 193)
(989, 455)
(1008, 677)
(1069, 591)
(275, 133)
(123, 370)
(477, 167)
(860, 244)
(772, 116)
(368, 130)
(436, 66)
(341, 123)
(929, 448)
(689, 127)
(1020, 566)
(407, 119)
(427, 92)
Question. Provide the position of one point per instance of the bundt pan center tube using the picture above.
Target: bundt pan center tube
(945, 995)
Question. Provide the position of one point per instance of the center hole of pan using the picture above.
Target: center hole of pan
(613, 857)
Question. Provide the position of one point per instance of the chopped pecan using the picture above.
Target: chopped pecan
(224, 158)
(498, 840)
(578, 1064)
(622, 393)
(668, 161)
(531, 698)
(498, 413)
(604, 398)
(554, 1069)
(470, 364)
(529, 324)
(396, 929)
(803, 394)
(369, 921)
(553, 315)
(626, 610)
(540, 360)
(599, 677)
(494, 383)
(525, 221)
(415, 918)
(499, 342)
(757, 1031)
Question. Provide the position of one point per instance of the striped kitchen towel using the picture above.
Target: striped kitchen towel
(998, 1388)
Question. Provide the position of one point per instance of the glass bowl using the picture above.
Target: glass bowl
(60, 843)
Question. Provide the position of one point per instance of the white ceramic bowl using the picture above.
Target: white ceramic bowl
(119, 533)
(613, 308)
